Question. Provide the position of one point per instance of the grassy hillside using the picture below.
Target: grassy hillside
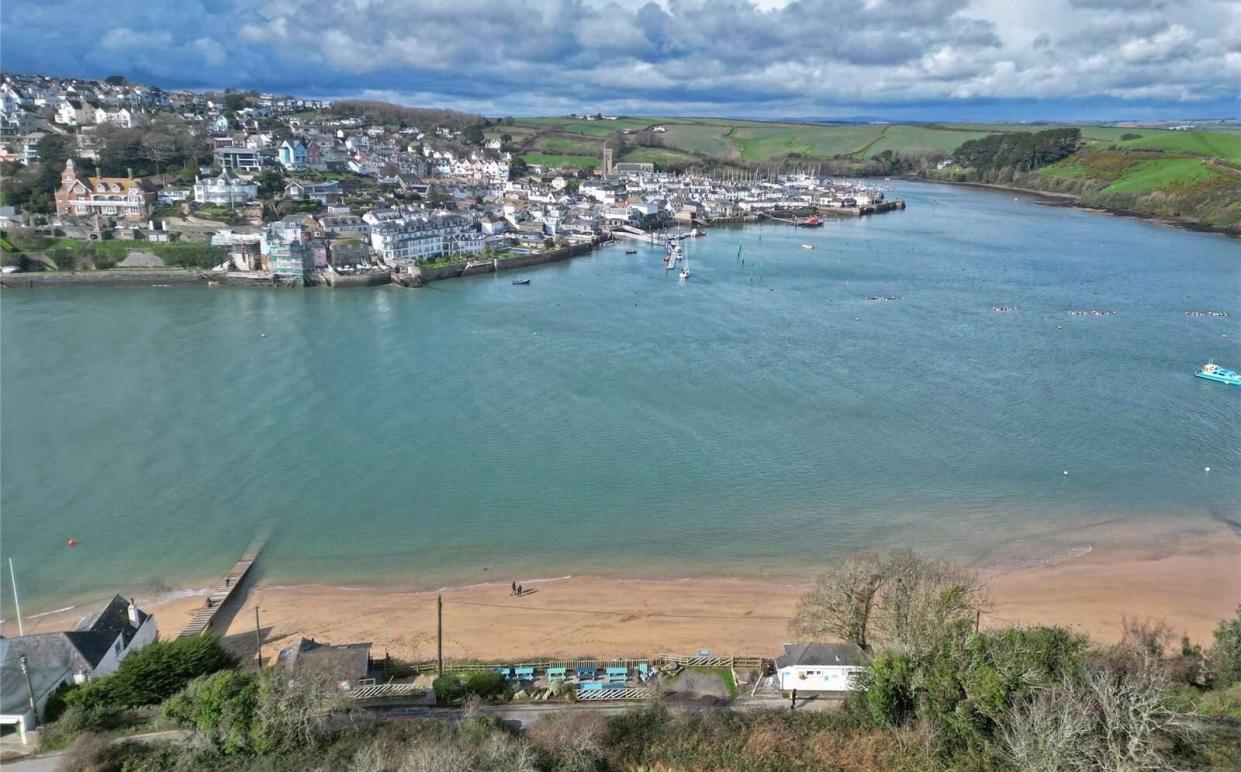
(1192, 176)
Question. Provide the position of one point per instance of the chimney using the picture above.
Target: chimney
(129, 173)
(133, 614)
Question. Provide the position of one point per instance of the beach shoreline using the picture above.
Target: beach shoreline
(1190, 578)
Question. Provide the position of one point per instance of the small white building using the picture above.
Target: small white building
(96, 648)
(819, 667)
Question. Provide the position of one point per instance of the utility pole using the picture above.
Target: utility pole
(34, 708)
(17, 605)
(977, 620)
(258, 640)
(439, 634)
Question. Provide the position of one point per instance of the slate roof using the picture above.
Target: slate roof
(51, 658)
(820, 654)
(113, 619)
(341, 662)
(54, 657)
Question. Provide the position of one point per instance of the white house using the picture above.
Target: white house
(225, 189)
(96, 648)
(819, 667)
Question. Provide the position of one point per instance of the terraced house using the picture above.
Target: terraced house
(123, 197)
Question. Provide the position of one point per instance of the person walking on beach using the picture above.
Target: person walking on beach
(519, 590)
(513, 589)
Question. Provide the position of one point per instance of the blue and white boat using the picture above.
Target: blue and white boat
(1213, 372)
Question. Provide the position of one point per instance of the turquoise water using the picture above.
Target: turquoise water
(607, 419)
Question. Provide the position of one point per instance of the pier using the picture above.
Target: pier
(201, 621)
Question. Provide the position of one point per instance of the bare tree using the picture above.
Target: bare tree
(921, 597)
(841, 602)
(1112, 719)
(299, 710)
(900, 600)
(1048, 732)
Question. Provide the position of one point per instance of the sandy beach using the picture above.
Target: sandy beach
(1190, 578)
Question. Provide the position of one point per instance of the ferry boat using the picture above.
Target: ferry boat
(1213, 372)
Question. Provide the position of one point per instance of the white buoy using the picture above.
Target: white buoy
(1066, 471)
(1207, 469)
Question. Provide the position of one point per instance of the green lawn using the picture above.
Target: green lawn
(1151, 175)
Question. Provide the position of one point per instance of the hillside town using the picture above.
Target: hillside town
(293, 191)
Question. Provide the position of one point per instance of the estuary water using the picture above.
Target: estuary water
(758, 419)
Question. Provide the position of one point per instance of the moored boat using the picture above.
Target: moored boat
(807, 246)
(521, 281)
(1213, 372)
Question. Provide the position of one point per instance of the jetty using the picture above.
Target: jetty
(201, 621)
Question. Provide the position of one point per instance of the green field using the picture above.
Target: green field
(1145, 176)
(547, 159)
(567, 146)
(659, 156)
(1214, 144)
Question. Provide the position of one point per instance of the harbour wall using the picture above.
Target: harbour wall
(115, 277)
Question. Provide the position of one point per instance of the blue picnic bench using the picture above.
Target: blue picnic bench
(523, 673)
(554, 673)
(507, 672)
(586, 674)
(590, 687)
(617, 675)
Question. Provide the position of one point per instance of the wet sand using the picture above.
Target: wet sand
(1191, 579)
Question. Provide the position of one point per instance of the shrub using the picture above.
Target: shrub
(888, 689)
(221, 706)
(55, 706)
(448, 689)
(154, 673)
(77, 720)
(486, 684)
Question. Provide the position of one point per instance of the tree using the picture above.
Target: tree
(920, 597)
(115, 80)
(1224, 658)
(841, 602)
(271, 183)
(473, 134)
(901, 600)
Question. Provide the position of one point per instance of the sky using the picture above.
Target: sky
(890, 59)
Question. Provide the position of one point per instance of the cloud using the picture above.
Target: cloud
(777, 57)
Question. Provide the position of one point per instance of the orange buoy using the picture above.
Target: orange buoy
(73, 542)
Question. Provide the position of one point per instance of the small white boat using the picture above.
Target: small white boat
(807, 246)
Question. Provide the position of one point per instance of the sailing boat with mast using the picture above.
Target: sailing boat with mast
(685, 269)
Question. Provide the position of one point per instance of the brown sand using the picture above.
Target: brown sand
(1191, 579)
